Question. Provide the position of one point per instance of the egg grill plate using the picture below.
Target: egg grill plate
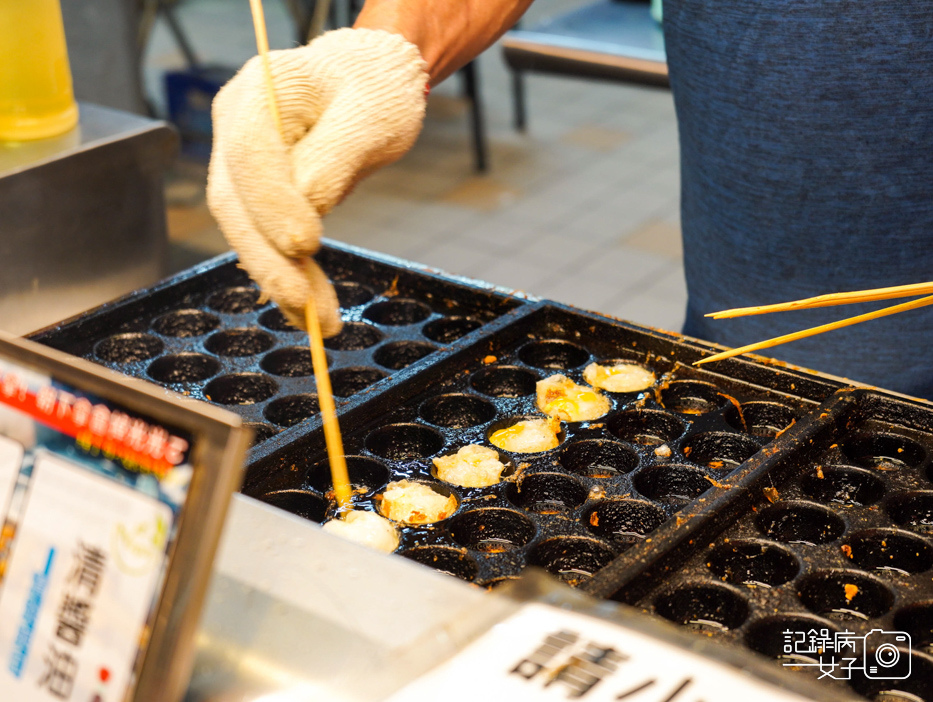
(656, 456)
(206, 333)
(674, 502)
(832, 532)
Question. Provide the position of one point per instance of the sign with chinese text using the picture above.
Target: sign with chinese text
(90, 495)
(542, 653)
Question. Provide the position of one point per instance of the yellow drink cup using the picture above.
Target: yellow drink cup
(36, 97)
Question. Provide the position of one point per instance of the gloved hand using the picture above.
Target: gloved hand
(350, 102)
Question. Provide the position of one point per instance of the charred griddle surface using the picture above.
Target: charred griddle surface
(740, 501)
(207, 333)
(571, 510)
(831, 534)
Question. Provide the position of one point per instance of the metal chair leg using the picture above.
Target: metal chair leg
(470, 74)
(322, 9)
(187, 50)
(519, 115)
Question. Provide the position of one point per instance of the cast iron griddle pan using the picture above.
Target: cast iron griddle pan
(830, 533)
(207, 334)
(741, 500)
(572, 510)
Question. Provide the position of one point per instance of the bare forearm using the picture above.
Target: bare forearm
(449, 33)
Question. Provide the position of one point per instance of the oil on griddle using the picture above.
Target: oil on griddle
(840, 542)
(570, 510)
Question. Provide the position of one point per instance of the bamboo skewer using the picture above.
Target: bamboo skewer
(846, 298)
(768, 343)
(262, 44)
(335, 455)
(325, 395)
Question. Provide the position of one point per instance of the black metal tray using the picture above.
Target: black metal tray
(571, 510)
(698, 500)
(832, 532)
(206, 333)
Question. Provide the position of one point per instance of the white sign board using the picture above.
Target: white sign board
(544, 654)
(79, 585)
(108, 526)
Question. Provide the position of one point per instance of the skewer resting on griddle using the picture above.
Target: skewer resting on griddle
(776, 341)
(845, 298)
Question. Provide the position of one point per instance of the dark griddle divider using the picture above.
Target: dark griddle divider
(642, 568)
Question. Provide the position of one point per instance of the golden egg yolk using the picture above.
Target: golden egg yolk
(571, 404)
(505, 435)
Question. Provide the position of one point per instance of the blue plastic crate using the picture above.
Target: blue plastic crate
(189, 94)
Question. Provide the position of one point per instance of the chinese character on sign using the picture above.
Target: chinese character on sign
(46, 399)
(553, 644)
(88, 569)
(81, 411)
(564, 660)
(119, 425)
(58, 676)
(584, 670)
(157, 442)
(73, 618)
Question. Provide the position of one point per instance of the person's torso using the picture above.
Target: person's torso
(806, 133)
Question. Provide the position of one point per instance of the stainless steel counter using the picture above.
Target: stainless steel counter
(293, 607)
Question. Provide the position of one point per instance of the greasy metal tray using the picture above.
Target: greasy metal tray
(206, 333)
(571, 510)
(699, 500)
(832, 532)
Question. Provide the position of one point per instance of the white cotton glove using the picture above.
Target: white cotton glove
(351, 101)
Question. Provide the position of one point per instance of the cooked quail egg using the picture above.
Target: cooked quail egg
(528, 435)
(367, 529)
(409, 502)
(619, 377)
(560, 397)
(471, 466)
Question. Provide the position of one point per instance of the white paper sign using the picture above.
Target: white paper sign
(546, 654)
(80, 581)
(11, 458)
